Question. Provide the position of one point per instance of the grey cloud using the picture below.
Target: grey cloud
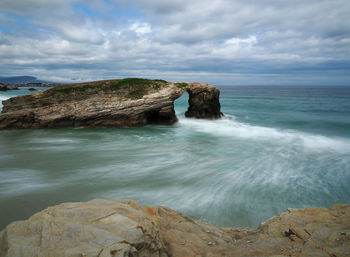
(80, 33)
(156, 6)
(34, 7)
(220, 19)
(170, 38)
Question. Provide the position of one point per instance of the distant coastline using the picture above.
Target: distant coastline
(26, 81)
(13, 86)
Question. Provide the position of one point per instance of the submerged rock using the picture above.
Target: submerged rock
(109, 103)
(123, 228)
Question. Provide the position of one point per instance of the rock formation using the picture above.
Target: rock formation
(203, 102)
(121, 228)
(109, 103)
(4, 87)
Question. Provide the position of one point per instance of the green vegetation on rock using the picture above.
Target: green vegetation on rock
(181, 84)
(133, 88)
(139, 81)
(68, 89)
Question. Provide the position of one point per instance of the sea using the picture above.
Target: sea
(277, 147)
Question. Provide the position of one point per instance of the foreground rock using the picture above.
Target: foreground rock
(109, 103)
(103, 228)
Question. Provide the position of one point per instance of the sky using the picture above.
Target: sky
(222, 42)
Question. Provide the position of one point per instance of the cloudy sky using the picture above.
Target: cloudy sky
(296, 42)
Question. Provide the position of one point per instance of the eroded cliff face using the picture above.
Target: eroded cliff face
(203, 102)
(110, 103)
(106, 228)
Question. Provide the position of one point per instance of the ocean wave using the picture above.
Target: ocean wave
(230, 127)
(2, 97)
(22, 181)
(55, 141)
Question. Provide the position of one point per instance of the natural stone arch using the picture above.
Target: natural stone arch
(203, 103)
(111, 103)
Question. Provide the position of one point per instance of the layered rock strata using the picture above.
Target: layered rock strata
(121, 228)
(110, 103)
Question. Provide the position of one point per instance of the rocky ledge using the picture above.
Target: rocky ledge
(121, 228)
(109, 103)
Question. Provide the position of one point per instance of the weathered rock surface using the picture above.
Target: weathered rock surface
(110, 103)
(12, 87)
(103, 228)
(203, 102)
(4, 87)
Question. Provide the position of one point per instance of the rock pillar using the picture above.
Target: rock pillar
(203, 102)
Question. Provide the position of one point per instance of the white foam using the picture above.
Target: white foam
(231, 128)
(3, 98)
(55, 141)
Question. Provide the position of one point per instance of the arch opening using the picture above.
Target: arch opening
(181, 104)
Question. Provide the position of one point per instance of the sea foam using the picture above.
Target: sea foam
(231, 128)
(3, 98)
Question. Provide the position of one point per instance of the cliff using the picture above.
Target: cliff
(109, 103)
(105, 228)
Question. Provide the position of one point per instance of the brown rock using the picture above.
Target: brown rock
(110, 103)
(3, 87)
(123, 228)
(203, 102)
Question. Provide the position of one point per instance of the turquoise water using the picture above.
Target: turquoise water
(277, 147)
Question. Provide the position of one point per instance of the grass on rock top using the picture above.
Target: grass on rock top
(134, 88)
(181, 84)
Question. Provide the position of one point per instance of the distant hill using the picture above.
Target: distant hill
(21, 80)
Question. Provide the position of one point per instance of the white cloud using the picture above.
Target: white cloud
(141, 28)
(242, 41)
(235, 48)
